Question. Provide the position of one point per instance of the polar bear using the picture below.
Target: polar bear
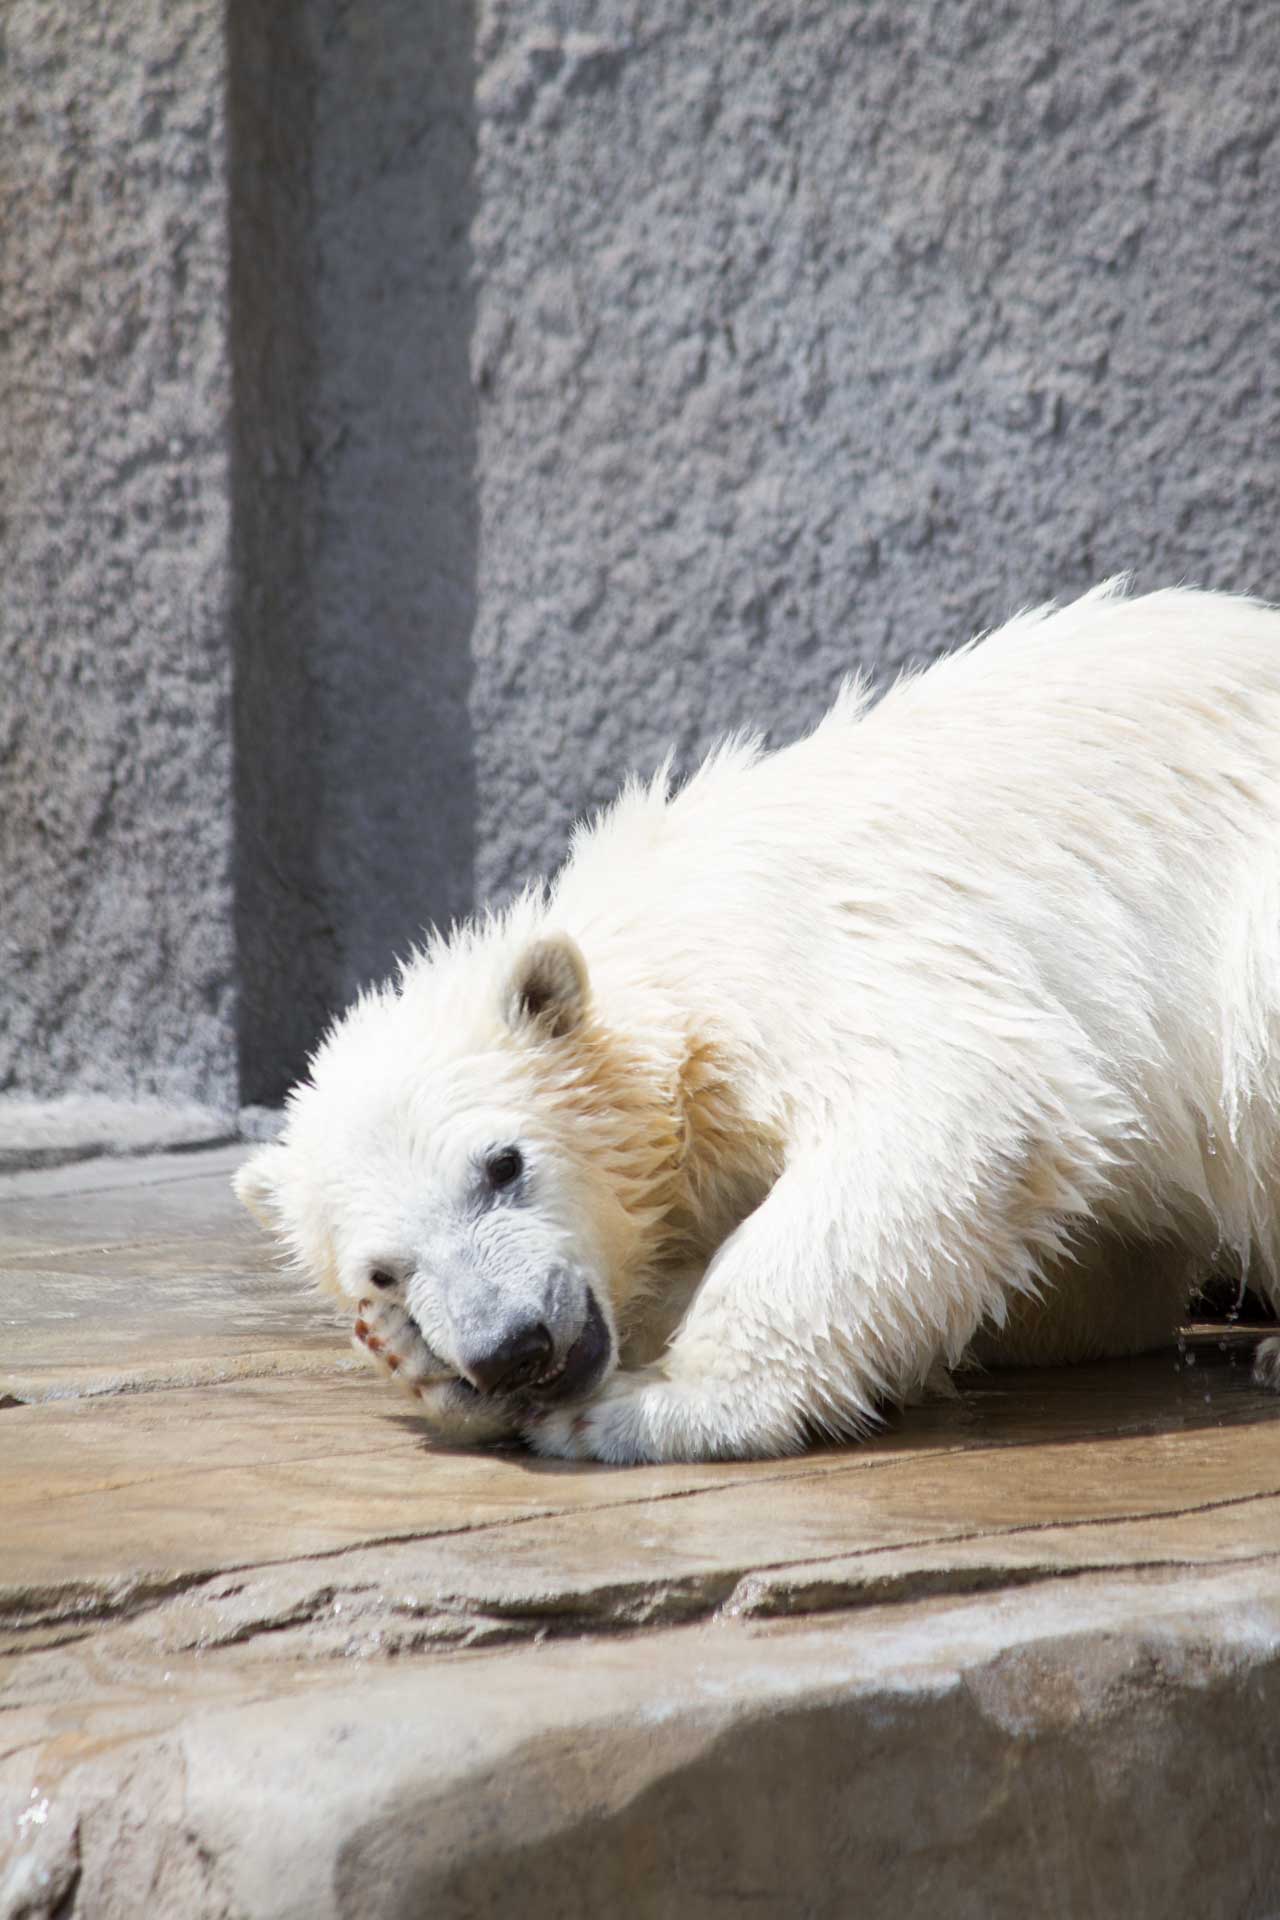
(950, 1030)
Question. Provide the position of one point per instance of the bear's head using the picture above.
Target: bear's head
(472, 1143)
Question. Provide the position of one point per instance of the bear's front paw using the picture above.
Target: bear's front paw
(616, 1425)
(558, 1435)
(455, 1415)
(647, 1416)
(386, 1333)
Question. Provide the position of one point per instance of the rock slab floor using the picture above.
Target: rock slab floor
(265, 1653)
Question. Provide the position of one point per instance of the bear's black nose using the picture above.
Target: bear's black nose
(518, 1360)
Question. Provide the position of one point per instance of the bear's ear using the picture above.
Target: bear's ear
(257, 1184)
(548, 985)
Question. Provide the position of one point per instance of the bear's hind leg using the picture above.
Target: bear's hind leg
(1266, 1359)
(1105, 1297)
(1266, 1363)
(1265, 1278)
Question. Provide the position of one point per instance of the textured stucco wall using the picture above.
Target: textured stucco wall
(814, 335)
(115, 828)
(602, 375)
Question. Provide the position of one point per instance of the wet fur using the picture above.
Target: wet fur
(948, 1032)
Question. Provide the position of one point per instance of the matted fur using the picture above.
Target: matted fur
(969, 1001)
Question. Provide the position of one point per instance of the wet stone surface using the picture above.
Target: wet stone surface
(263, 1651)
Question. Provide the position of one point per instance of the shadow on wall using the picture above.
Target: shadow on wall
(355, 512)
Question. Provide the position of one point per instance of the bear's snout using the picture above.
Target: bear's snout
(523, 1364)
(518, 1360)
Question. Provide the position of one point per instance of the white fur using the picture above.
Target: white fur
(954, 1024)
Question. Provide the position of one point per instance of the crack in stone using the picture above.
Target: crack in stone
(948, 1583)
(54, 1606)
(76, 1610)
(1142, 1518)
(200, 1374)
(927, 1582)
(464, 1626)
(454, 1620)
(204, 1472)
(34, 1607)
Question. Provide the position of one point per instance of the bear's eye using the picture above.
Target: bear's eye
(504, 1169)
(381, 1278)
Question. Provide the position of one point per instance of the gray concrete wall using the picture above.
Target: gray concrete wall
(353, 145)
(814, 335)
(116, 959)
(284, 933)
(604, 376)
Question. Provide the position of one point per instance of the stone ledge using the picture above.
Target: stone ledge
(264, 1652)
(1106, 1748)
(58, 1132)
(75, 1128)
